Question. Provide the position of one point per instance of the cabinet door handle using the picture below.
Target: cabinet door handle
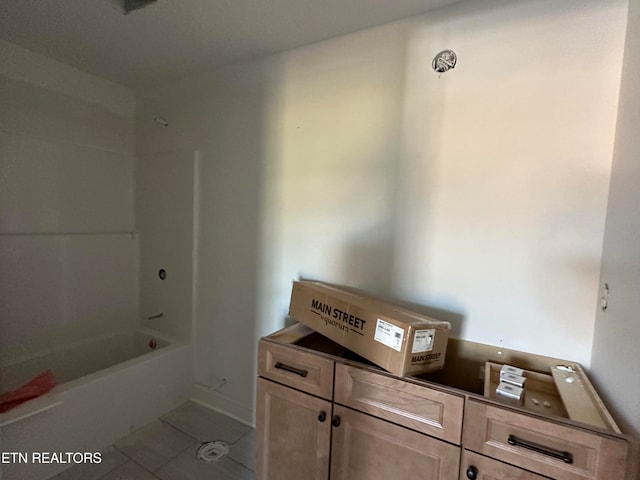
(289, 368)
(566, 457)
(322, 417)
(472, 472)
(335, 421)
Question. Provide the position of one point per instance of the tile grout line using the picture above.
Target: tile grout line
(239, 463)
(101, 476)
(176, 455)
(195, 440)
(129, 459)
(180, 430)
(117, 466)
(251, 429)
(201, 441)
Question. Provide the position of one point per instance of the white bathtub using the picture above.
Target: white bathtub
(107, 387)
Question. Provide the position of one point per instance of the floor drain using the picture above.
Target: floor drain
(210, 452)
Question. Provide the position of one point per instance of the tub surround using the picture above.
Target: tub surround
(68, 256)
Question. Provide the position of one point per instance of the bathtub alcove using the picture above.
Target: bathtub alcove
(107, 387)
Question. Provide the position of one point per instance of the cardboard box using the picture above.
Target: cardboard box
(401, 341)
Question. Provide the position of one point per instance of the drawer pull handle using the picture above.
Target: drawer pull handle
(335, 421)
(288, 368)
(566, 457)
(322, 417)
(472, 473)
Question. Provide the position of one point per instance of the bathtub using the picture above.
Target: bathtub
(108, 386)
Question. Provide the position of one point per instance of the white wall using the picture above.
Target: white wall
(615, 351)
(68, 259)
(220, 116)
(506, 170)
(164, 221)
(480, 194)
(333, 129)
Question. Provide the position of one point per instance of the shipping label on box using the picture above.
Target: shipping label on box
(399, 340)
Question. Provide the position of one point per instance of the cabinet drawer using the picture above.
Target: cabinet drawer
(542, 446)
(298, 369)
(418, 407)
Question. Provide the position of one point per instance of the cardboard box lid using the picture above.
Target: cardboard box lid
(394, 312)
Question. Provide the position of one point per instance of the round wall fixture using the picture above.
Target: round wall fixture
(444, 61)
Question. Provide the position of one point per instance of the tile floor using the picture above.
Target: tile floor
(166, 450)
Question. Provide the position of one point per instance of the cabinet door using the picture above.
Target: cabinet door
(293, 433)
(368, 448)
(478, 467)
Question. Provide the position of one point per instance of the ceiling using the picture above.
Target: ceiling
(173, 39)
